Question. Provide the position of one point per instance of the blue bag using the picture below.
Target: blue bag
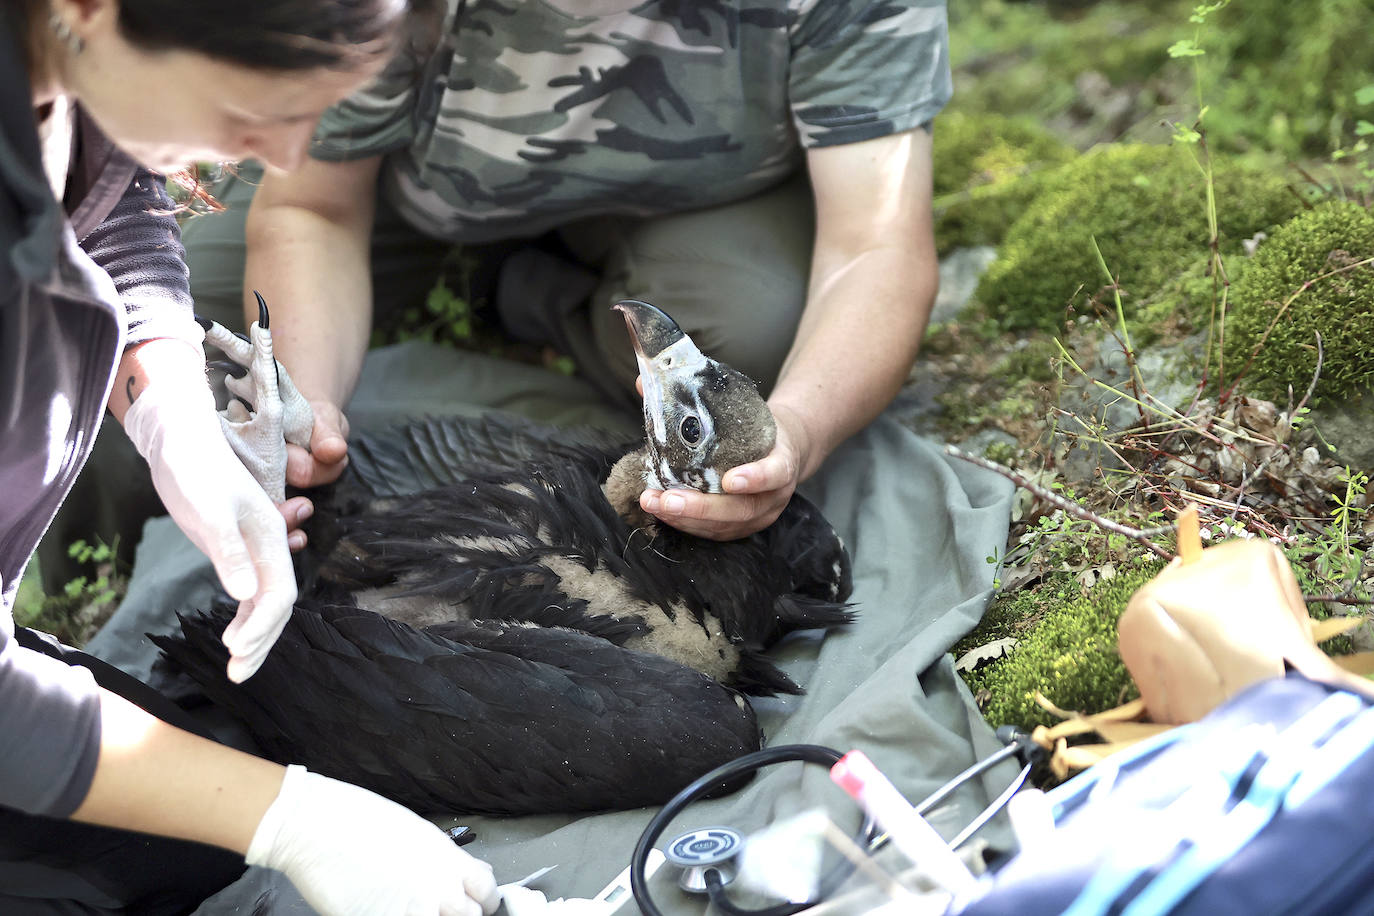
(1266, 806)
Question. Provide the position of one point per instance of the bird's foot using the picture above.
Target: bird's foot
(266, 411)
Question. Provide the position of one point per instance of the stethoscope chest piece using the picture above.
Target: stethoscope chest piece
(703, 850)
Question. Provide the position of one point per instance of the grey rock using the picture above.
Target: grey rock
(960, 271)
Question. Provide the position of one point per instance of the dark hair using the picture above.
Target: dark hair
(270, 34)
(267, 34)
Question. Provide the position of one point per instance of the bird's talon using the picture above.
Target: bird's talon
(228, 367)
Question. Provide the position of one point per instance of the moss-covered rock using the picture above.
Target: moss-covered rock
(1146, 207)
(1322, 247)
(980, 149)
(1069, 653)
(987, 170)
(983, 214)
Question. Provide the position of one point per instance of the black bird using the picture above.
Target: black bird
(493, 626)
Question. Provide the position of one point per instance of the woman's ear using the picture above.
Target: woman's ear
(84, 19)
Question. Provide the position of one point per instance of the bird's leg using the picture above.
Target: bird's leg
(266, 411)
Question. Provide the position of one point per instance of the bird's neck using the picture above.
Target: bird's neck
(623, 486)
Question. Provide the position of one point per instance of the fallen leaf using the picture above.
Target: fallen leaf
(985, 653)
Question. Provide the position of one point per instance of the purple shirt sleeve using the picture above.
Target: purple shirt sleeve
(56, 708)
(139, 246)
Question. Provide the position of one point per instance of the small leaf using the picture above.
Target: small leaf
(985, 653)
(1365, 94)
(1184, 134)
(1185, 47)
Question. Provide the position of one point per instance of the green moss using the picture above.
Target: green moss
(1313, 247)
(1146, 208)
(973, 149)
(986, 168)
(1069, 653)
(983, 214)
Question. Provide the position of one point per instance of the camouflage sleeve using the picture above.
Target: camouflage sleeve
(377, 119)
(867, 68)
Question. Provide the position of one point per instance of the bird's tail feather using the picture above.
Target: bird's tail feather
(800, 612)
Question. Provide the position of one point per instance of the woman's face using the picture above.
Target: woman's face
(169, 109)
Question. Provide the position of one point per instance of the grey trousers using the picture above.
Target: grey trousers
(733, 276)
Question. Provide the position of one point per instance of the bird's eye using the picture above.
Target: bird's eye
(690, 430)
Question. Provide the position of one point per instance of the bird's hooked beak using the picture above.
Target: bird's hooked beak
(701, 417)
(666, 357)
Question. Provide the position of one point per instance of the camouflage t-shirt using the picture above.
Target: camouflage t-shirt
(534, 113)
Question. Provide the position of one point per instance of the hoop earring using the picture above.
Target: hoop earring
(74, 42)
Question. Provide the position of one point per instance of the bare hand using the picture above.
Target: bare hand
(328, 454)
(756, 493)
(295, 511)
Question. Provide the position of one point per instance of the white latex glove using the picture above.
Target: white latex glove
(352, 853)
(212, 497)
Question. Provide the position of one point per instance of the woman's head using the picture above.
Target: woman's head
(175, 81)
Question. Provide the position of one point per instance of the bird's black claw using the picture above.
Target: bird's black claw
(461, 836)
(203, 322)
(262, 310)
(228, 368)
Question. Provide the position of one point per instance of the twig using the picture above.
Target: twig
(1136, 534)
(1337, 599)
(1312, 385)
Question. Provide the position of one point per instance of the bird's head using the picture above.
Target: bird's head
(701, 417)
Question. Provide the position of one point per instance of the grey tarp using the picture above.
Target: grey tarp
(920, 527)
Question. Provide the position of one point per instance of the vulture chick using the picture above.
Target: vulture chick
(490, 625)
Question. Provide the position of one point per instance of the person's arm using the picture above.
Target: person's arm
(347, 850)
(154, 778)
(74, 750)
(873, 281)
(161, 396)
(139, 246)
(308, 236)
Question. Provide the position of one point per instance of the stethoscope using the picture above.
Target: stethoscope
(705, 857)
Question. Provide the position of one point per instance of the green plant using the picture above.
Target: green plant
(1356, 181)
(1144, 207)
(84, 604)
(1331, 562)
(445, 317)
(1286, 76)
(1315, 275)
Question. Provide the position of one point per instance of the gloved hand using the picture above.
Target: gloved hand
(212, 497)
(349, 851)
